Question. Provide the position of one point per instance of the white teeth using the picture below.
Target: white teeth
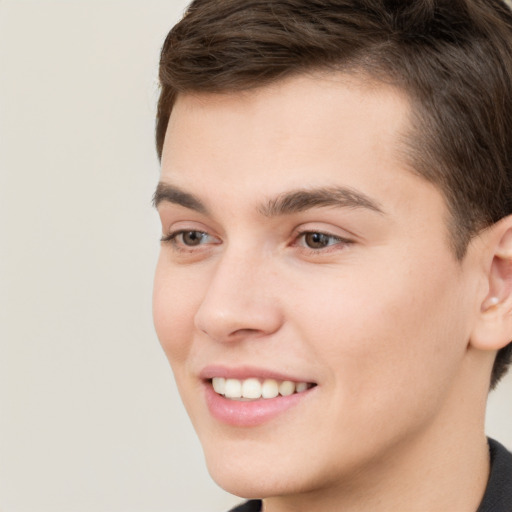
(270, 388)
(219, 385)
(233, 388)
(253, 389)
(286, 388)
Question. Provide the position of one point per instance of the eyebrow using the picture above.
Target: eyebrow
(304, 199)
(174, 195)
(287, 203)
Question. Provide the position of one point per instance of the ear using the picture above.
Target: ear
(493, 330)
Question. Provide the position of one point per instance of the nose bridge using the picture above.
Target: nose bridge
(239, 301)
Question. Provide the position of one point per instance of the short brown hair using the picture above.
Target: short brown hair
(452, 57)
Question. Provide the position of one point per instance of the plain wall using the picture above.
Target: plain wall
(89, 416)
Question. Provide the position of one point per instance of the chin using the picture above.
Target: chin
(239, 473)
(245, 486)
(250, 484)
(253, 475)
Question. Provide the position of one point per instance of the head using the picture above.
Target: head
(432, 83)
(451, 58)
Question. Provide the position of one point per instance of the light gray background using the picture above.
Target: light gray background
(89, 416)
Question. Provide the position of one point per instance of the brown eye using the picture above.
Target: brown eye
(189, 239)
(192, 238)
(319, 240)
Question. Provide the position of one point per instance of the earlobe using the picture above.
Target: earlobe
(489, 302)
(494, 327)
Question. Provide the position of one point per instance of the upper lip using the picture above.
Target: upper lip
(245, 372)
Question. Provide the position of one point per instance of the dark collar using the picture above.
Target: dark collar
(248, 506)
(498, 495)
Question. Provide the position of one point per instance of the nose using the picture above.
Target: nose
(240, 301)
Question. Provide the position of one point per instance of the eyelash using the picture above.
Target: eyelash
(172, 239)
(327, 248)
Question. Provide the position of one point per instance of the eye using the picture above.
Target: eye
(189, 238)
(319, 240)
(316, 240)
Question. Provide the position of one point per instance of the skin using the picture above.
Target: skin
(393, 329)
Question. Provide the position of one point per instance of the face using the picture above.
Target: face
(301, 258)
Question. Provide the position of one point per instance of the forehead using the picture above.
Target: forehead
(300, 119)
(306, 131)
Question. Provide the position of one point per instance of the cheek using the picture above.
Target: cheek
(386, 335)
(174, 307)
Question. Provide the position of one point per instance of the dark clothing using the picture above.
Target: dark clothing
(248, 506)
(498, 494)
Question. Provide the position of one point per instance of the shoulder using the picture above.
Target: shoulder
(498, 495)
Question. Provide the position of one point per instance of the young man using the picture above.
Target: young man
(334, 290)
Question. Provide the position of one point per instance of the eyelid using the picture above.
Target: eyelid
(172, 239)
(341, 240)
(329, 235)
(177, 232)
(173, 225)
(326, 229)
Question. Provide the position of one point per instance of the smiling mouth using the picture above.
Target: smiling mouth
(256, 389)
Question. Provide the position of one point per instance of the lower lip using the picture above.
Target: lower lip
(250, 414)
